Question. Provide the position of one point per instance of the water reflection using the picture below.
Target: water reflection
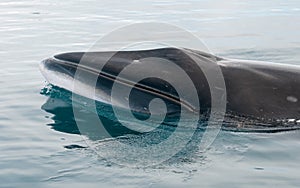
(60, 105)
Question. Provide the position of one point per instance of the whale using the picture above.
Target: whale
(259, 95)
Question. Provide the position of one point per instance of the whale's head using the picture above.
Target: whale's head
(95, 74)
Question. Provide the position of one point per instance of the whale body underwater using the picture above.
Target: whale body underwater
(261, 95)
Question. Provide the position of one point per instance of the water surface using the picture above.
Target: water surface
(38, 151)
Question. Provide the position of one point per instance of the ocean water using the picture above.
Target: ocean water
(40, 145)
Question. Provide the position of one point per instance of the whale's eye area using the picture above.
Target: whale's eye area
(145, 102)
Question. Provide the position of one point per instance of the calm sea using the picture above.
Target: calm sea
(42, 148)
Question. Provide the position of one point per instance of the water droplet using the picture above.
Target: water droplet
(291, 99)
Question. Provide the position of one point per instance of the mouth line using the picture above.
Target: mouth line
(138, 86)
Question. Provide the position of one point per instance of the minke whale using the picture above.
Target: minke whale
(260, 95)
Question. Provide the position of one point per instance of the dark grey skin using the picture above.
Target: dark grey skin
(261, 92)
